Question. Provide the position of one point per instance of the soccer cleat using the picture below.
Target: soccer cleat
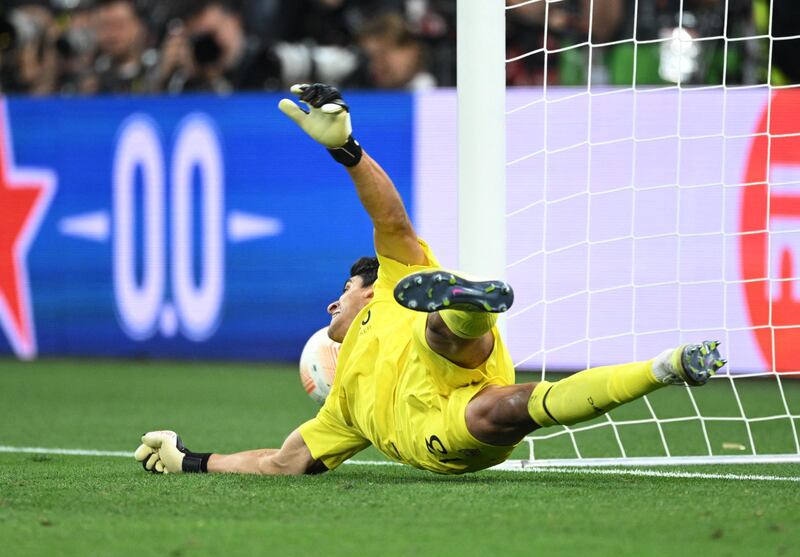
(437, 289)
(696, 363)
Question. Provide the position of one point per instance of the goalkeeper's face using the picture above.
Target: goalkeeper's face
(344, 310)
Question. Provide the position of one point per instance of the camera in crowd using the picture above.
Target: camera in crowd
(206, 49)
(74, 42)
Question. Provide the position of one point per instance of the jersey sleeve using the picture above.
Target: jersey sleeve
(391, 271)
(330, 439)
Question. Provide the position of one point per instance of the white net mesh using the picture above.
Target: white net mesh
(653, 195)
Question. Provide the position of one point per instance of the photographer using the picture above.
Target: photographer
(75, 51)
(27, 61)
(123, 64)
(209, 50)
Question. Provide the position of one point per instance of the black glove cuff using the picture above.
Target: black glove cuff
(348, 154)
(195, 462)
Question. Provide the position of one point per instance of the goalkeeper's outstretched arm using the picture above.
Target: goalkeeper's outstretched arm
(394, 235)
(328, 122)
(164, 452)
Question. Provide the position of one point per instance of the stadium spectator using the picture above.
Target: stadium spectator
(124, 63)
(209, 50)
(326, 22)
(26, 61)
(136, 46)
(664, 48)
(525, 33)
(395, 57)
(568, 24)
(262, 17)
(75, 49)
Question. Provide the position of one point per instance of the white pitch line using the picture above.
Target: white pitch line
(74, 452)
(513, 466)
(508, 466)
(521, 466)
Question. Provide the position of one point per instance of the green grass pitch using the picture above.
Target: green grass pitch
(80, 505)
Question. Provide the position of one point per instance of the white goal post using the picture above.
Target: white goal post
(636, 216)
(481, 137)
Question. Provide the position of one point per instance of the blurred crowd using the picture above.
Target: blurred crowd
(693, 42)
(84, 47)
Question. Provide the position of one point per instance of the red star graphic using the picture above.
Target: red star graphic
(24, 196)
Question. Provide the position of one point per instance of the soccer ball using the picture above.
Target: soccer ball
(318, 365)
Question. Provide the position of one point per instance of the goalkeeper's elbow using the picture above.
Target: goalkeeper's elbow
(295, 463)
(271, 465)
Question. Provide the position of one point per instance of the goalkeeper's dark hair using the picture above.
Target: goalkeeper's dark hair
(367, 269)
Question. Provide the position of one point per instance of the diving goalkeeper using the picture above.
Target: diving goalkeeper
(423, 374)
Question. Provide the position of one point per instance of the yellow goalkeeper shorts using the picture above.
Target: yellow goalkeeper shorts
(432, 399)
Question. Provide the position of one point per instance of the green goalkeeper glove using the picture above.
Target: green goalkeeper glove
(327, 121)
(163, 452)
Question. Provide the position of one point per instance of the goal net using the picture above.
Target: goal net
(653, 199)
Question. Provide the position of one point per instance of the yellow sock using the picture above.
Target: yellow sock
(590, 393)
(468, 324)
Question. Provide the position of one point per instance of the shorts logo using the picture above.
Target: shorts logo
(436, 448)
(435, 445)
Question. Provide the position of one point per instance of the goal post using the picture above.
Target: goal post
(481, 138)
(649, 198)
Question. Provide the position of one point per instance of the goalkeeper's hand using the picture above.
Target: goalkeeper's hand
(327, 120)
(163, 452)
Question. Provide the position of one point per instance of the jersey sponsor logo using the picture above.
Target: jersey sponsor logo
(770, 259)
(367, 318)
(25, 195)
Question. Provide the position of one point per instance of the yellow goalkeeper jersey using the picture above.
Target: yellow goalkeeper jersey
(394, 392)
